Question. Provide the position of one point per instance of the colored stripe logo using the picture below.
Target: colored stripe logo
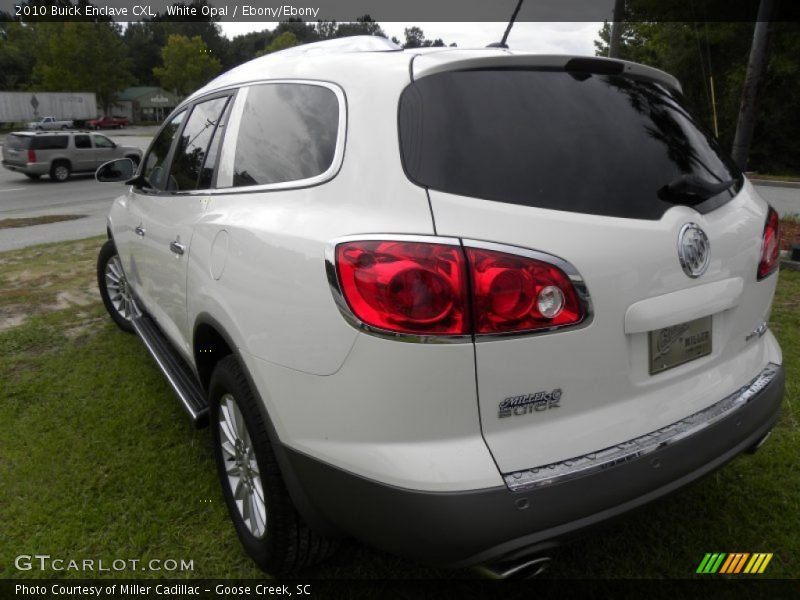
(734, 563)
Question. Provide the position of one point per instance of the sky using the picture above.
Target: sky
(546, 38)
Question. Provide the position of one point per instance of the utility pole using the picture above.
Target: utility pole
(756, 70)
(616, 29)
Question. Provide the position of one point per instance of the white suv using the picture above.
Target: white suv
(457, 304)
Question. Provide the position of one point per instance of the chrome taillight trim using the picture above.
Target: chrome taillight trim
(558, 472)
(338, 296)
(574, 276)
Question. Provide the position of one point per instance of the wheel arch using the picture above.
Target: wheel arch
(210, 344)
(61, 159)
(208, 334)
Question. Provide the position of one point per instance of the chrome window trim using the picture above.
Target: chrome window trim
(344, 308)
(228, 151)
(587, 464)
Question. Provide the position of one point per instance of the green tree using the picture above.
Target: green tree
(146, 38)
(187, 64)
(16, 58)
(415, 38)
(81, 57)
(697, 53)
(249, 45)
(285, 40)
(361, 26)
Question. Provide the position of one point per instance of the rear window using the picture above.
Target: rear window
(579, 142)
(50, 142)
(18, 142)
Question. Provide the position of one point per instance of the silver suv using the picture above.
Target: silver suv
(61, 154)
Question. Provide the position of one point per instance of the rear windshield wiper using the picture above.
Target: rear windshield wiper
(692, 188)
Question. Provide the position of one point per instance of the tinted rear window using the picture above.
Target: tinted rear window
(50, 142)
(598, 144)
(18, 142)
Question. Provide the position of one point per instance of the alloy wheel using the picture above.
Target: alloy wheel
(241, 467)
(118, 289)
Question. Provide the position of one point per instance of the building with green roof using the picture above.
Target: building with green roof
(145, 103)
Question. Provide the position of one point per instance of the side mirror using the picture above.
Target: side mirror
(116, 171)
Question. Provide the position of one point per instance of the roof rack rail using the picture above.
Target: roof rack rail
(356, 43)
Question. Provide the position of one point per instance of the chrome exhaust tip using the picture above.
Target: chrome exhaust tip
(515, 570)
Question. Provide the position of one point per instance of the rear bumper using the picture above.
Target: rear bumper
(30, 169)
(478, 526)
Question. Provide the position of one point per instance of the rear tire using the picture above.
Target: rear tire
(60, 171)
(114, 288)
(32, 176)
(270, 529)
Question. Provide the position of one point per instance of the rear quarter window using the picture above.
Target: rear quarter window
(579, 142)
(18, 142)
(286, 132)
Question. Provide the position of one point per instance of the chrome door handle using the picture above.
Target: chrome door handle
(139, 230)
(177, 247)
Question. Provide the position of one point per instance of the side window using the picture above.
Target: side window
(207, 172)
(83, 141)
(191, 151)
(155, 162)
(287, 132)
(50, 142)
(101, 141)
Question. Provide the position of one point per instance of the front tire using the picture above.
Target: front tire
(114, 288)
(270, 529)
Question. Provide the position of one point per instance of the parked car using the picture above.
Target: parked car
(61, 154)
(108, 122)
(457, 304)
(50, 123)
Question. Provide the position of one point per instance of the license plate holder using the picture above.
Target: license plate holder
(679, 344)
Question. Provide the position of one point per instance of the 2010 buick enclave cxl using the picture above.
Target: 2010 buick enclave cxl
(458, 304)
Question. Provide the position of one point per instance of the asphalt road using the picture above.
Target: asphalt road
(82, 195)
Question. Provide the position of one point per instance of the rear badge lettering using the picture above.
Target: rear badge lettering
(514, 406)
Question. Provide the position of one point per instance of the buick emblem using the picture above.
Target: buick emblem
(694, 250)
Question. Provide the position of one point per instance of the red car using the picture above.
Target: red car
(108, 123)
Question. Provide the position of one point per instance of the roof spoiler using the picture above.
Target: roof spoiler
(424, 65)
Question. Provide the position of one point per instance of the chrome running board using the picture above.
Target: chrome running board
(579, 466)
(178, 373)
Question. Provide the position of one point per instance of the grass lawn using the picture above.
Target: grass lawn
(98, 460)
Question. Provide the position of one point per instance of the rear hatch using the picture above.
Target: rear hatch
(600, 164)
(15, 149)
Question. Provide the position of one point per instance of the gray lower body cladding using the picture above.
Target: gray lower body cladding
(473, 527)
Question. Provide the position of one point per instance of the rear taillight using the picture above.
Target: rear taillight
(423, 288)
(31, 156)
(770, 245)
(406, 287)
(518, 293)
